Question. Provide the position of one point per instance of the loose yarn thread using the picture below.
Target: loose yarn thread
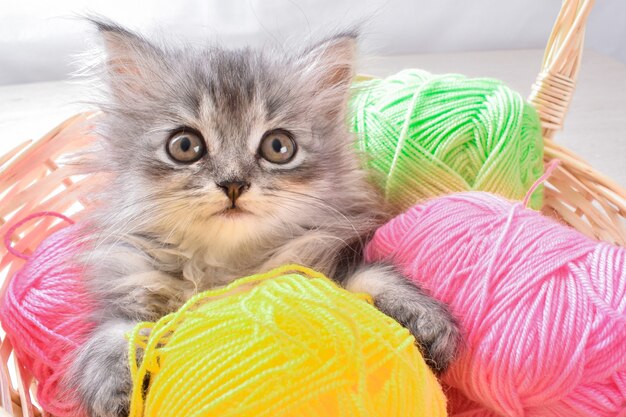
(427, 135)
(285, 343)
(542, 307)
(13, 229)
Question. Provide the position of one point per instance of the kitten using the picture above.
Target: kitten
(225, 163)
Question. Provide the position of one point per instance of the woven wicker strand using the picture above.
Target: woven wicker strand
(33, 179)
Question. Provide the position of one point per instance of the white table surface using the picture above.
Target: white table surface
(594, 128)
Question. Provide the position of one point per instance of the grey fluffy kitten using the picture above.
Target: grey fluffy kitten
(225, 163)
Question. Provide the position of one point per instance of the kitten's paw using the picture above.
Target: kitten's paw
(101, 375)
(109, 400)
(435, 330)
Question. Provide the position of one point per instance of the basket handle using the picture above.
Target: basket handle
(552, 91)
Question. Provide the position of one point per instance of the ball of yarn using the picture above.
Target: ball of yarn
(45, 316)
(294, 344)
(427, 135)
(542, 307)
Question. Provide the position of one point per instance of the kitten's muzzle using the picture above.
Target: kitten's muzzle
(233, 189)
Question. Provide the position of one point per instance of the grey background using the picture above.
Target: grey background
(40, 40)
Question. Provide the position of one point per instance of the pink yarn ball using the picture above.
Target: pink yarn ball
(45, 316)
(542, 307)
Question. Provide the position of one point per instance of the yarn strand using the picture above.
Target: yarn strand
(9, 234)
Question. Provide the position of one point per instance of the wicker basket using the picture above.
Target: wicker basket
(31, 180)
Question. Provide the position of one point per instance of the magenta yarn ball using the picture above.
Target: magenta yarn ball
(542, 307)
(45, 314)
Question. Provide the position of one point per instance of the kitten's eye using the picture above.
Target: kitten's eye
(278, 146)
(186, 147)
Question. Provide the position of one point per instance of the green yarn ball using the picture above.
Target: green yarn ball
(425, 135)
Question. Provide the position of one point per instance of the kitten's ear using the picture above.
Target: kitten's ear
(131, 61)
(328, 67)
(331, 62)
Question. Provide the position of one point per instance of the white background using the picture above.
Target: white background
(38, 39)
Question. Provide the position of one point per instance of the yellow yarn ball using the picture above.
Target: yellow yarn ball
(286, 343)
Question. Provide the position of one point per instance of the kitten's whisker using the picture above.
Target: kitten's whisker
(118, 228)
(319, 227)
(296, 209)
(290, 225)
(100, 241)
(323, 204)
(190, 220)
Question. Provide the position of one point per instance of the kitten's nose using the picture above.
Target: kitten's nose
(233, 189)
